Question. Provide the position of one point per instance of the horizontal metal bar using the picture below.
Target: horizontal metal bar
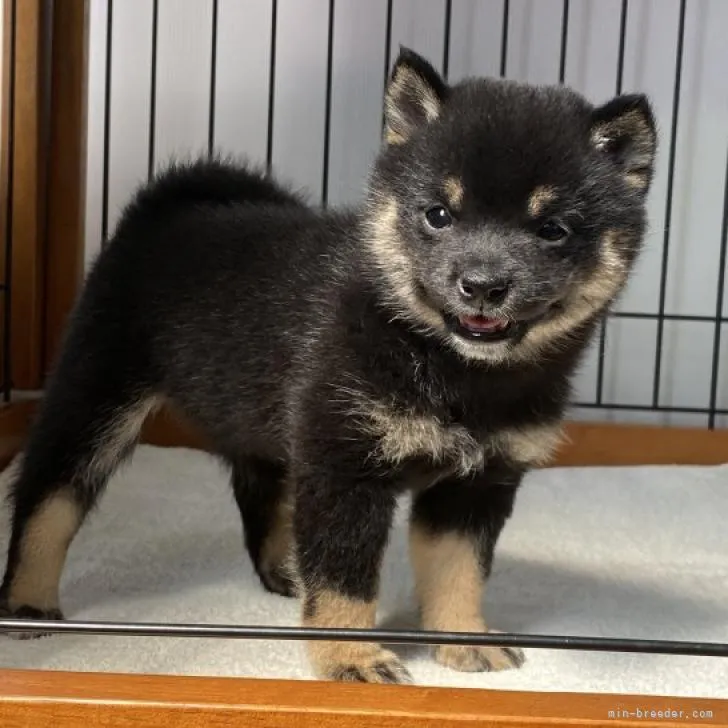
(649, 316)
(385, 636)
(664, 409)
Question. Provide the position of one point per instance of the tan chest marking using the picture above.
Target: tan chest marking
(402, 436)
(533, 446)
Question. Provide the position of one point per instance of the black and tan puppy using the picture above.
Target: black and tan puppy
(424, 341)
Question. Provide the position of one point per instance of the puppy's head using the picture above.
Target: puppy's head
(505, 217)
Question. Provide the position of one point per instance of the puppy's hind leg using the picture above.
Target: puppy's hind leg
(84, 431)
(266, 508)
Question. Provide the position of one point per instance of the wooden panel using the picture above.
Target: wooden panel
(5, 107)
(67, 699)
(615, 444)
(28, 180)
(66, 174)
(15, 421)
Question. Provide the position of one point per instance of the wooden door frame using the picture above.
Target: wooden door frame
(66, 199)
(43, 175)
(25, 89)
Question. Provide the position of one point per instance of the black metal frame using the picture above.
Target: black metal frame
(399, 636)
(384, 636)
(712, 411)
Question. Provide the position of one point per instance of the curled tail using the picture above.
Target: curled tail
(208, 181)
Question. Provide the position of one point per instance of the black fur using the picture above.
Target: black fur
(276, 328)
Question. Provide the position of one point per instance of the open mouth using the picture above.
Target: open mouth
(482, 328)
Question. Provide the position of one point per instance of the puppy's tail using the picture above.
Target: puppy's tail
(203, 182)
(213, 181)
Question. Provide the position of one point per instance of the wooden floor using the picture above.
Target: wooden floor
(138, 701)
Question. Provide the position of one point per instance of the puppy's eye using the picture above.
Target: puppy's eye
(438, 217)
(552, 231)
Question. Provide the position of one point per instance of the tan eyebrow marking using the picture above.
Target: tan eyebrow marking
(453, 188)
(540, 197)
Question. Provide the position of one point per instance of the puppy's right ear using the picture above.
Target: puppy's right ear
(414, 96)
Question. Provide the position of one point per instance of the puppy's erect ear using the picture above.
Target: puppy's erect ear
(414, 96)
(624, 129)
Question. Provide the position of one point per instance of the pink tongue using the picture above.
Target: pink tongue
(482, 324)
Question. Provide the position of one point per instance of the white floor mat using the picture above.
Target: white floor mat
(630, 552)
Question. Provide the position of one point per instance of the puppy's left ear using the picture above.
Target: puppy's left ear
(624, 130)
(414, 96)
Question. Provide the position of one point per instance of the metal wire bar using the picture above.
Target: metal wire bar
(388, 41)
(501, 639)
(668, 207)
(153, 90)
(667, 316)
(271, 85)
(327, 112)
(387, 52)
(446, 40)
(107, 126)
(619, 85)
(564, 40)
(504, 38)
(666, 409)
(720, 297)
(213, 80)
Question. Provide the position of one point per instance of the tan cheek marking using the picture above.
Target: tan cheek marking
(454, 192)
(449, 581)
(48, 534)
(395, 265)
(588, 299)
(540, 197)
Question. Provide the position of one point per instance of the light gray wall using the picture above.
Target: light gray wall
(181, 127)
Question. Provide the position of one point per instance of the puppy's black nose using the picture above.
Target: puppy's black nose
(479, 290)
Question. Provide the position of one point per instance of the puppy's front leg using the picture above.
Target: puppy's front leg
(453, 532)
(342, 519)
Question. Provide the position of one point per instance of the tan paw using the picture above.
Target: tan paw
(479, 659)
(29, 613)
(362, 663)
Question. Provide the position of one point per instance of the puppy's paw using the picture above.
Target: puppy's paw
(361, 663)
(479, 659)
(26, 612)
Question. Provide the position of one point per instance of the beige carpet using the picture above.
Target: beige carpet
(639, 552)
